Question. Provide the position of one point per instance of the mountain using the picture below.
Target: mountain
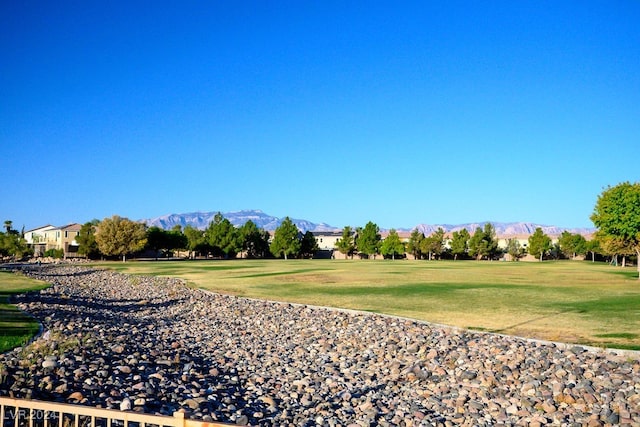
(201, 221)
(505, 229)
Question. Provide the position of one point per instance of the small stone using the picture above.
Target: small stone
(125, 405)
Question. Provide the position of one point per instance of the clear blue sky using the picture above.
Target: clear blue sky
(343, 112)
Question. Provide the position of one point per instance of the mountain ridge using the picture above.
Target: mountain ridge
(201, 220)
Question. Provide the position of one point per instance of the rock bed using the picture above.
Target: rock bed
(155, 345)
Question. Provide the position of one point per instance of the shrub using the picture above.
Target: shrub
(54, 253)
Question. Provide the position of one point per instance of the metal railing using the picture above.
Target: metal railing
(35, 413)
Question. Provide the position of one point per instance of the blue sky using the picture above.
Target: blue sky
(342, 112)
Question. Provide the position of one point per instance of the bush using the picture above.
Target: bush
(54, 253)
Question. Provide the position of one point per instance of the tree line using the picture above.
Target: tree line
(616, 215)
(120, 237)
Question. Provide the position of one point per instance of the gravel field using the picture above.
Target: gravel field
(155, 345)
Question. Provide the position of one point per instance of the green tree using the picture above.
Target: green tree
(368, 240)
(460, 243)
(593, 247)
(539, 243)
(195, 239)
(392, 245)
(483, 243)
(286, 240)
(414, 246)
(514, 249)
(12, 243)
(255, 241)
(615, 246)
(617, 214)
(86, 240)
(117, 236)
(572, 245)
(223, 237)
(308, 245)
(346, 244)
(159, 239)
(433, 245)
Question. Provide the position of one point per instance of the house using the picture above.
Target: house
(47, 237)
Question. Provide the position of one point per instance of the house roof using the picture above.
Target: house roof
(44, 227)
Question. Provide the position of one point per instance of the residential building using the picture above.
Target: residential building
(47, 237)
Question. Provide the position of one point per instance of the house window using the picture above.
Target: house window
(66, 234)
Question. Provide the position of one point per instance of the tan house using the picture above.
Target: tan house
(49, 237)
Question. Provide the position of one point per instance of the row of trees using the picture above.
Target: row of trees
(483, 244)
(616, 215)
(117, 236)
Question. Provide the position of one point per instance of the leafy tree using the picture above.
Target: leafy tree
(617, 214)
(392, 245)
(308, 245)
(156, 239)
(117, 236)
(415, 243)
(593, 247)
(614, 246)
(539, 243)
(223, 237)
(368, 240)
(255, 241)
(86, 240)
(572, 245)
(483, 243)
(514, 249)
(346, 243)
(195, 239)
(460, 243)
(286, 240)
(159, 239)
(12, 243)
(433, 244)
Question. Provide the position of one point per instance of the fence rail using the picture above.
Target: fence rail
(35, 413)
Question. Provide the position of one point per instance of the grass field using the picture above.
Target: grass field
(16, 328)
(569, 301)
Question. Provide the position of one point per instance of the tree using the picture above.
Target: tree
(613, 246)
(572, 245)
(255, 241)
(460, 243)
(539, 243)
(86, 240)
(286, 240)
(514, 249)
(117, 236)
(368, 241)
(392, 245)
(12, 243)
(483, 243)
(308, 245)
(415, 243)
(159, 239)
(195, 239)
(433, 244)
(346, 245)
(593, 247)
(223, 237)
(617, 214)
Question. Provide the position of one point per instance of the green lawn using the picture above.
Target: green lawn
(16, 328)
(569, 301)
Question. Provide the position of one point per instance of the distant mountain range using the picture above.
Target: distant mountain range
(201, 221)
